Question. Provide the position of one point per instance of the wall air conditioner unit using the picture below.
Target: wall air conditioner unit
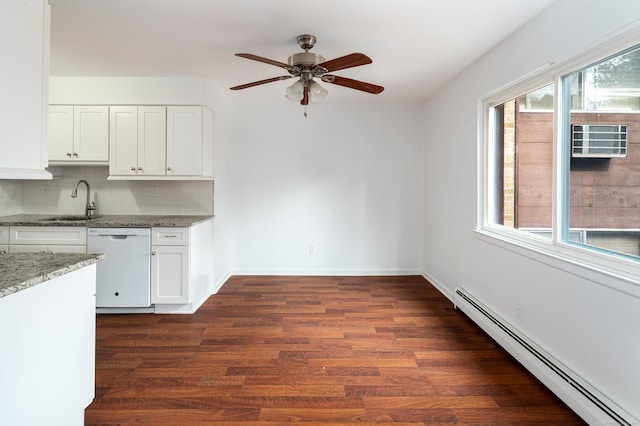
(598, 140)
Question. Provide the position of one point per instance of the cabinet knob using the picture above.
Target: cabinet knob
(153, 253)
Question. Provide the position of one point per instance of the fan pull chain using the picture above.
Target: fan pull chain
(305, 111)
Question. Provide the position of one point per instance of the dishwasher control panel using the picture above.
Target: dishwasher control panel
(118, 231)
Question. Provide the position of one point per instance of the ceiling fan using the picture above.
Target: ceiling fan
(306, 66)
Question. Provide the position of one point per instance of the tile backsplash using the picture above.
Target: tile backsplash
(114, 197)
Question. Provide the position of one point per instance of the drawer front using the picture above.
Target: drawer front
(28, 248)
(170, 236)
(4, 235)
(73, 235)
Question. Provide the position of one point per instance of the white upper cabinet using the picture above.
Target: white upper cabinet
(157, 142)
(24, 75)
(137, 141)
(152, 135)
(78, 134)
(184, 140)
(123, 140)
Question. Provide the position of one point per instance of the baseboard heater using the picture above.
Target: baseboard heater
(503, 332)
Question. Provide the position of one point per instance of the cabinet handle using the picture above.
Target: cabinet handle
(139, 169)
(171, 236)
(133, 169)
(75, 154)
(169, 168)
(69, 154)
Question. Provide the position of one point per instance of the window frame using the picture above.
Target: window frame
(592, 263)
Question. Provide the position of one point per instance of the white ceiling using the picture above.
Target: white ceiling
(416, 45)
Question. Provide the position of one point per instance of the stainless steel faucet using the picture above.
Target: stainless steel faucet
(91, 206)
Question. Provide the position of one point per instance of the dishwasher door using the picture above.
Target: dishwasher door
(123, 278)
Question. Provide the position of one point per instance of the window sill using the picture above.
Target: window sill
(617, 274)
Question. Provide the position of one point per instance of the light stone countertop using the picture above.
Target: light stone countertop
(106, 221)
(19, 271)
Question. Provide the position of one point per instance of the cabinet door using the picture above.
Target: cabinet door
(60, 133)
(24, 77)
(184, 141)
(123, 140)
(152, 140)
(91, 133)
(169, 274)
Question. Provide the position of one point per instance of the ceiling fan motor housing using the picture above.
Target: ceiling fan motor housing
(305, 59)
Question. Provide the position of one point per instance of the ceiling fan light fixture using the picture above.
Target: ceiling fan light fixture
(317, 93)
(295, 92)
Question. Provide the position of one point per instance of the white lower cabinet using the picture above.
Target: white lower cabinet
(53, 239)
(170, 274)
(181, 267)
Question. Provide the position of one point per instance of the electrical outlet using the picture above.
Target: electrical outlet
(312, 249)
(151, 191)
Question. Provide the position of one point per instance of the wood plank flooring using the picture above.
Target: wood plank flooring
(313, 350)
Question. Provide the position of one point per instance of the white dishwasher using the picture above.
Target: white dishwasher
(123, 278)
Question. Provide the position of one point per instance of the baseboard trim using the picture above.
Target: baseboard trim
(329, 272)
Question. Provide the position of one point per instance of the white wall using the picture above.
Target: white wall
(347, 180)
(11, 199)
(129, 91)
(567, 310)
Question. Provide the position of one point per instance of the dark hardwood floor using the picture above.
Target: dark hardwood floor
(313, 350)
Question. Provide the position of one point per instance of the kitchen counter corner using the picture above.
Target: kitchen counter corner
(19, 271)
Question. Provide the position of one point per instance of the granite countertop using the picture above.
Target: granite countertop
(19, 271)
(105, 221)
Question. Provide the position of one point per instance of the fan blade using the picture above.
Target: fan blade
(265, 60)
(348, 61)
(305, 95)
(352, 84)
(257, 83)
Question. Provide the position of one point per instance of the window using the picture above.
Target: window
(576, 132)
(523, 144)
